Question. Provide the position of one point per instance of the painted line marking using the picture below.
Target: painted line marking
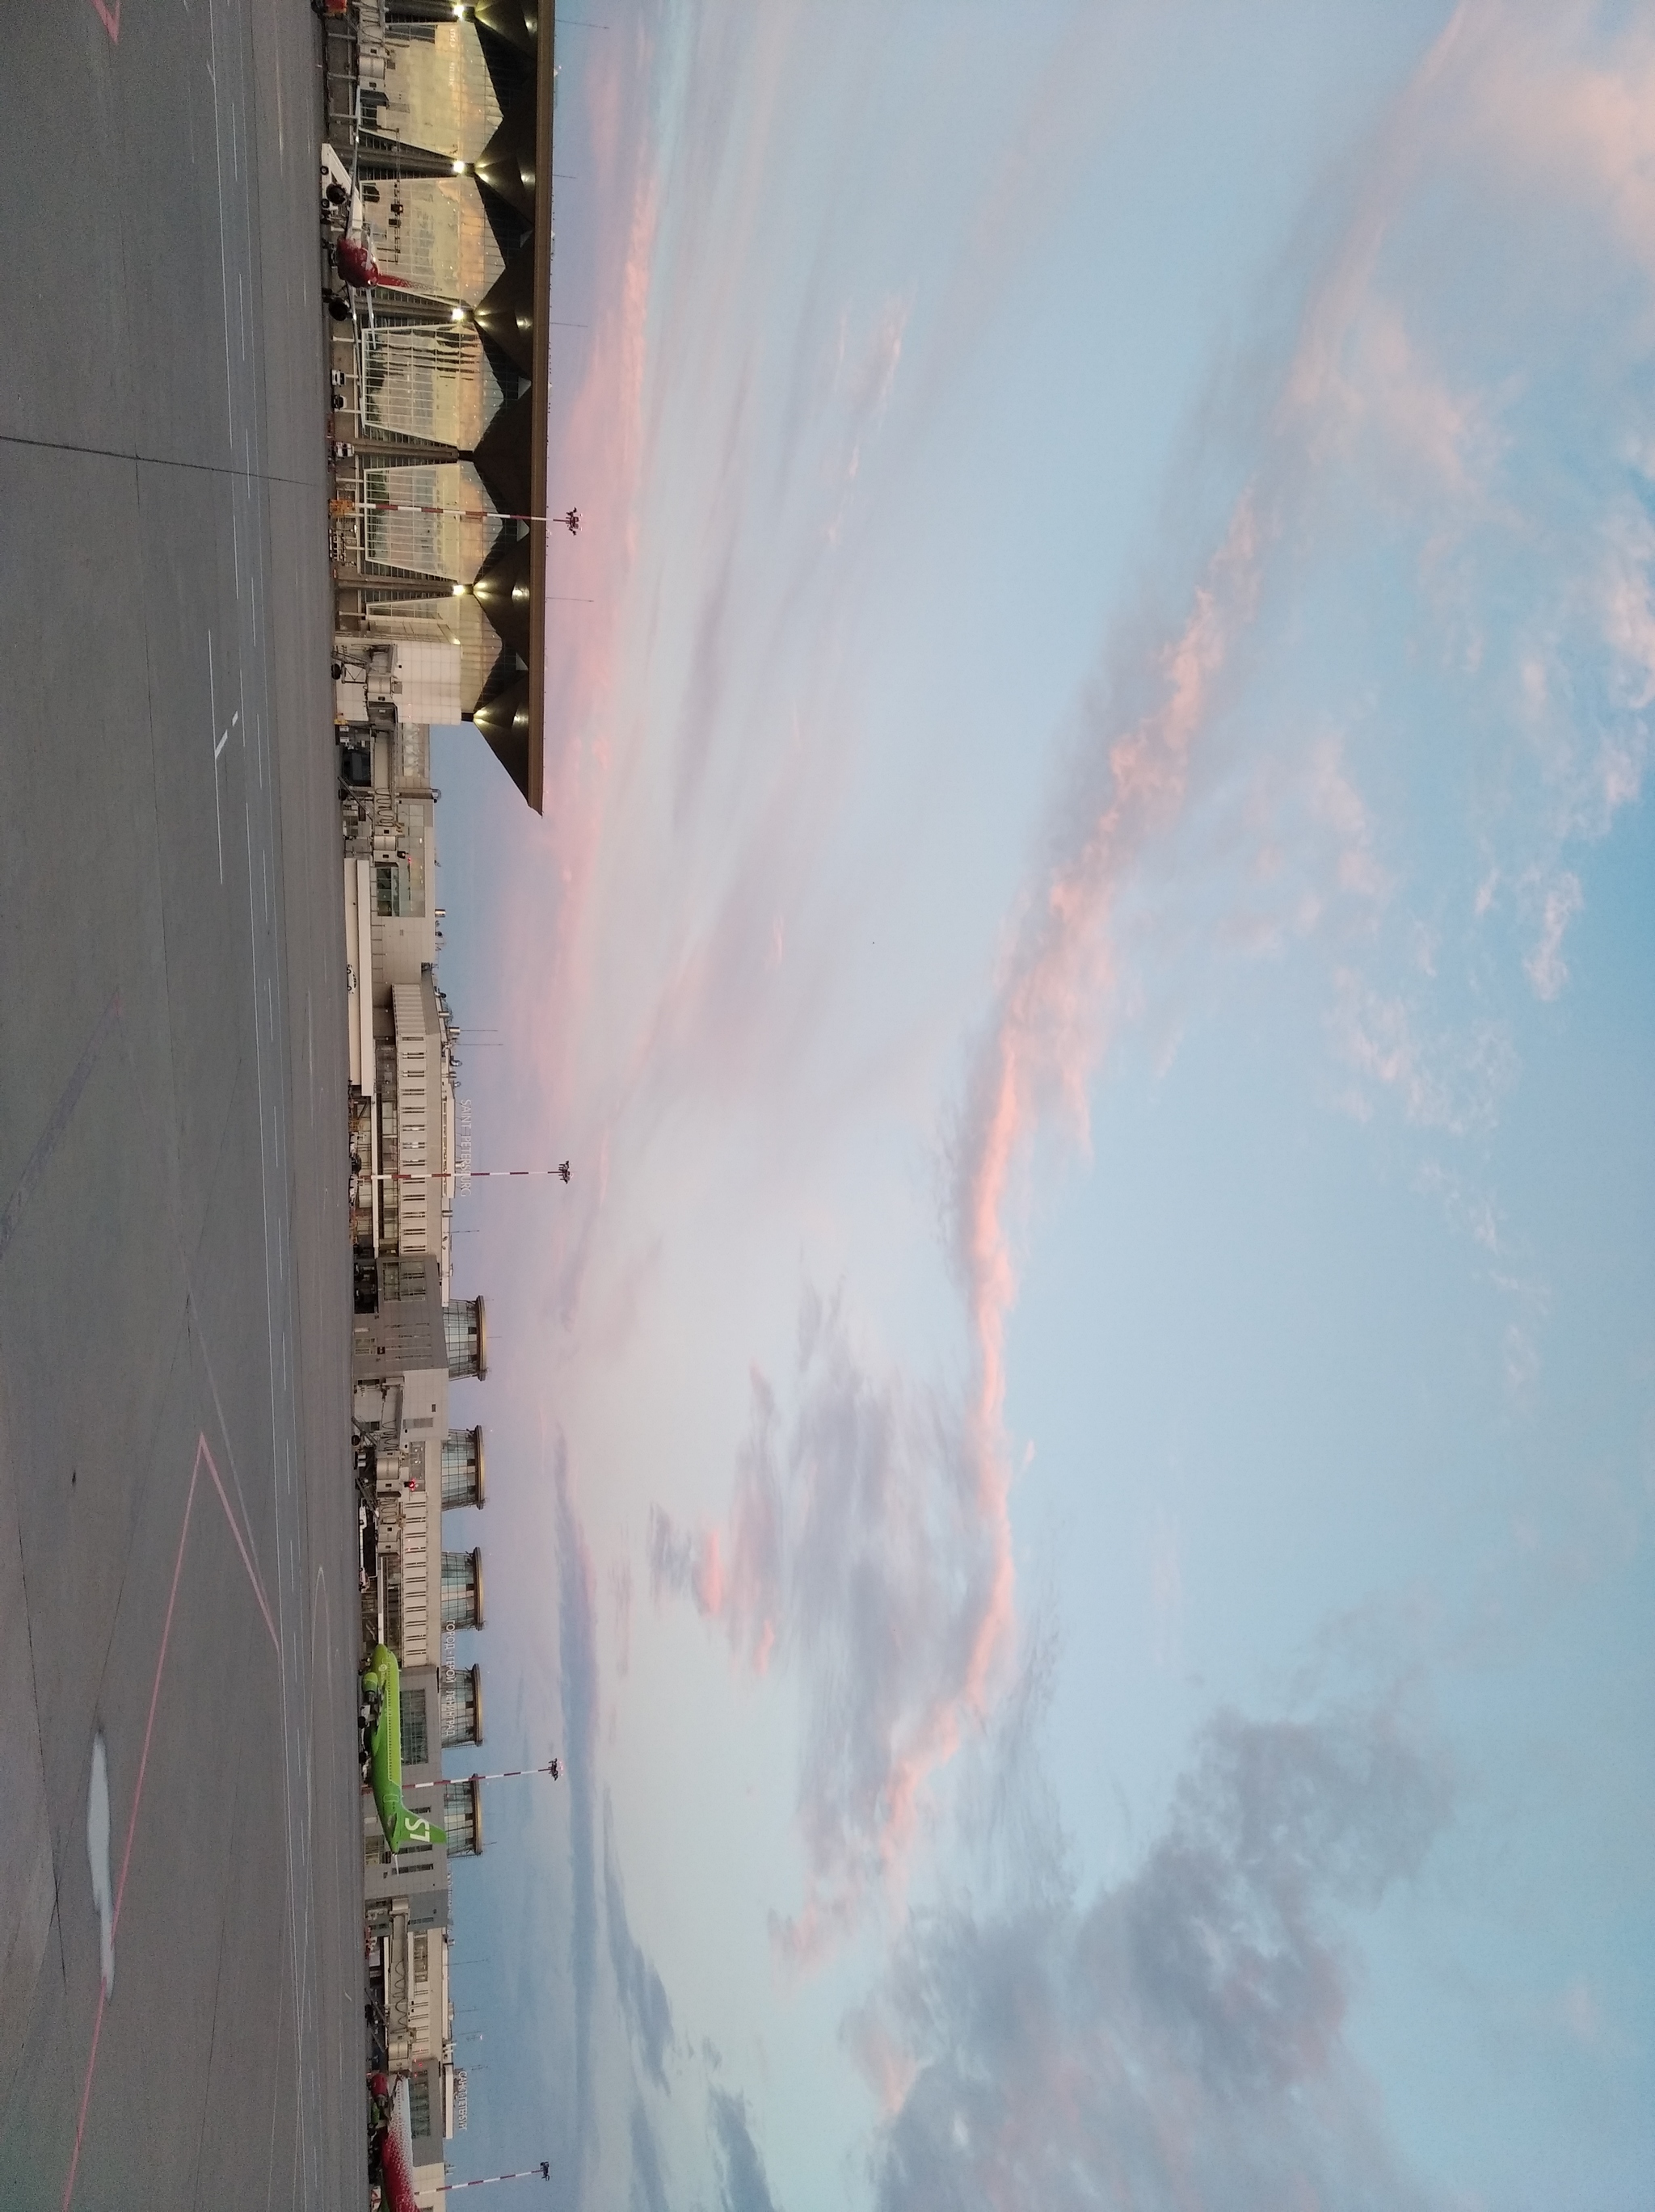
(97, 1852)
(218, 811)
(51, 1136)
(240, 1546)
(212, 717)
(224, 1426)
(232, 476)
(203, 1453)
(131, 1825)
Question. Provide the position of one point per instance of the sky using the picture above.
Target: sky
(1071, 1477)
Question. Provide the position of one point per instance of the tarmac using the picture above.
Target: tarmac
(181, 1848)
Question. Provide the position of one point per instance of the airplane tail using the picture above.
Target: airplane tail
(405, 1827)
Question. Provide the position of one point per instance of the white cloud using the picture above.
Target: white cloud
(1448, 1080)
(1545, 967)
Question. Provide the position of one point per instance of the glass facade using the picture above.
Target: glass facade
(461, 1819)
(463, 1338)
(416, 1735)
(461, 1453)
(462, 1706)
(459, 1590)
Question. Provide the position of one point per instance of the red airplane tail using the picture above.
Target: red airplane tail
(358, 266)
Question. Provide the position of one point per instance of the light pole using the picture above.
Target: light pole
(541, 2172)
(562, 1171)
(554, 1768)
(571, 521)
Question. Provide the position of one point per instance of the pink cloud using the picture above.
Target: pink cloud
(1579, 123)
(855, 1552)
(1050, 1021)
(1048, 1031)
(596, 463)
(868, 1540)
(871, 1545)
(747, 1596)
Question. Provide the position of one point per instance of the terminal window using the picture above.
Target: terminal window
(459, 1590)
(393, 893)
(459, 1466)
(416, 1743)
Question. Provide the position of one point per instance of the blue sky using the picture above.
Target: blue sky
(1072, 1474)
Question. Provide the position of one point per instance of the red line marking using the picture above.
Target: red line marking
(154, 1690)
(132, 1821)
(112, 23)
(91, 2064)
(203, 1452)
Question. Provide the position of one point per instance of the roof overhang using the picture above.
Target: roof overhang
(545, 60)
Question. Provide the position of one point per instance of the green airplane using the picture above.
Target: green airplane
(382, 1709)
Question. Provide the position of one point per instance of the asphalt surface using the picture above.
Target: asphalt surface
(177, 1579)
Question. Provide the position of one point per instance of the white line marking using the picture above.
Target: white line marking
(218, 1406)
(97, 1851)
(212, 711)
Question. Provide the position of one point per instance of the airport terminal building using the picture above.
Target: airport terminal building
(443, 531)
(442, 549)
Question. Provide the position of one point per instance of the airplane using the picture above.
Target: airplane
(390, 2141)
(355, 259)
(382, 1720)
(342, 201)
(353, 249)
